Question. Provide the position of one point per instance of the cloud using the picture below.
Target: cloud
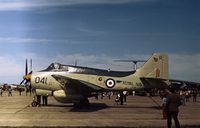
(87, 31)
(18, 40)
(181, 66)
(9, 5)
(22, 40)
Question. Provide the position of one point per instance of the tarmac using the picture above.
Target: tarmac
(137, 112)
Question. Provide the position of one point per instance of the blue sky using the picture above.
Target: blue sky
(95, 32)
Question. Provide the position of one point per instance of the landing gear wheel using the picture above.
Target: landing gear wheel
(34, 104)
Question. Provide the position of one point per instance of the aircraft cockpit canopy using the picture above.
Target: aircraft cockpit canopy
(57, 67)
(54, 66)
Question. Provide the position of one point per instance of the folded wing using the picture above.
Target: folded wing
(73, 86)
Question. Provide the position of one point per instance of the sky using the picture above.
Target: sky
(96, 32)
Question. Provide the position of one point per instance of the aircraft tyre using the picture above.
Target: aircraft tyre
(34, 104)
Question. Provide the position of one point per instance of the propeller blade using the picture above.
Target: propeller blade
(30, 72)
(27, 76)
(26, 68)
(27, 81)
(22, 82)
(31, 65)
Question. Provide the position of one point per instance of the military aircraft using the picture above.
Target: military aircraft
(75, 84)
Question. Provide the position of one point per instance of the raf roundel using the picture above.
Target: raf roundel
(110, 83)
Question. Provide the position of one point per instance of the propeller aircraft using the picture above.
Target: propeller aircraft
(75, 84)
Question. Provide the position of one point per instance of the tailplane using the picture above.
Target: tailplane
(155, 67)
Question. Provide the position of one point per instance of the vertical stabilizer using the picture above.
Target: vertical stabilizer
(155, 67)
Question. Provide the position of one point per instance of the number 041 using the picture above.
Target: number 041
(42, 80)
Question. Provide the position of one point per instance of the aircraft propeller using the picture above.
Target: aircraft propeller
(27, 76)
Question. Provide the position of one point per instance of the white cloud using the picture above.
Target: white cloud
(181, 66)
(41, 40)
(6, 5)
(22, 40)
(87, 31)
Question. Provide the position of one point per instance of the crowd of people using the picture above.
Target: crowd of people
(120, 96)
(9, 90)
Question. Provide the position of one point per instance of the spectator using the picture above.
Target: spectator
(173, 103)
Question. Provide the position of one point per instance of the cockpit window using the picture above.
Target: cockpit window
(54, 66)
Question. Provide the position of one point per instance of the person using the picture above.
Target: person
(121, 98)
(20, 91)
(194, 95)
(187, 96)
(102, 95)
(97, 96)
(182, 94)
(133, 93)
(30, 90)
(164, 102)
(1, 91)
(117, 99)
(172, 105)
(26, 90)
(108, 94)
(10, 91)
(125, 93)
(45, 100)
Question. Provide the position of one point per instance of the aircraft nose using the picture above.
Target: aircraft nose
(27, 77)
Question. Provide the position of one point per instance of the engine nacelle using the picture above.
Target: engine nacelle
(62, 97)
(42, 92)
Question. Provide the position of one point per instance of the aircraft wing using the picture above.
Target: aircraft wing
(164, 83)
(150, 83)
(73, 86)
(182, 84)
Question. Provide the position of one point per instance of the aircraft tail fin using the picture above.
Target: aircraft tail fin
(155, 67)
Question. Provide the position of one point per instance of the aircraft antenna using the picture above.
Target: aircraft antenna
(75, 63)
(133, 61)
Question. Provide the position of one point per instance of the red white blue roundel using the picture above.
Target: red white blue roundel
(110, 83)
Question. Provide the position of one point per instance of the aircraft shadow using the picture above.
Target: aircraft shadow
(98, 106)
(60, 105)
(131, 106)
(93, 107)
